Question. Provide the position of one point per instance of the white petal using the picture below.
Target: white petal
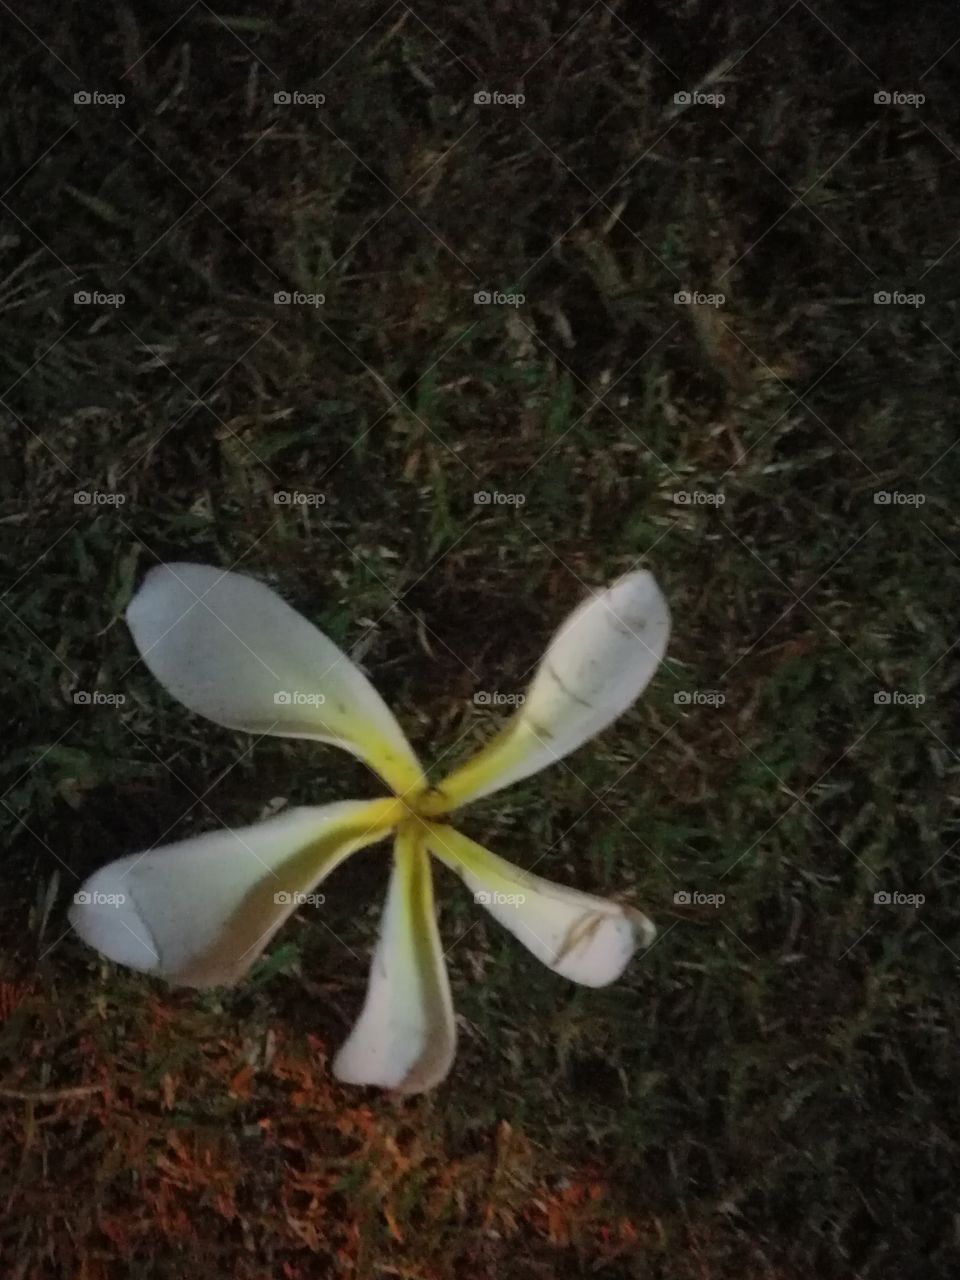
(405, 1038)
(230, 649)
(595, 666)
(200, 912)
(589, 940)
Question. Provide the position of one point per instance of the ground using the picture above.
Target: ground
(770, 1091)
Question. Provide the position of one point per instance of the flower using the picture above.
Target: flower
(199, 912)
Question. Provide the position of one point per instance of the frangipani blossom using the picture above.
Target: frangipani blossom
(199, 912)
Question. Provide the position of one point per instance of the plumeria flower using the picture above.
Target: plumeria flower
(199, 912)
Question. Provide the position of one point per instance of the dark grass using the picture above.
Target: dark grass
(770, 1091)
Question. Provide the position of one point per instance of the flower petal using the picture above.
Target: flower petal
(230, 649)
(587, 939)
(405, 1038)
(595, 666)
(200, 912)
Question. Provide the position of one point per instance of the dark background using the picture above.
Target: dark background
(771, 1090)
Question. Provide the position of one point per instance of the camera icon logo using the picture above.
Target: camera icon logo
(82, 898)
(81, 498)
(82, 298)
(282, 98)
(882, 96)
(482, 98)
(882, 498)
(881, 698)
(882, 298)
(282, 698)
(882, 898)
(483, 897)
(82, 98)
(81, 698)
(682, 898)
(283, 899)
(683, 98)
(683, 297)
(682, 698)
(281, 298)
(282, 498)
(482, 297)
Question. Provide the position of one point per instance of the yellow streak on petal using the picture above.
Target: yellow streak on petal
(251, 925)
(500, 754)
(420, 936)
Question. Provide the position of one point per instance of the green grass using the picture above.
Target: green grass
(770, 1091)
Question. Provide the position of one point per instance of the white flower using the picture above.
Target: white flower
(200, 912)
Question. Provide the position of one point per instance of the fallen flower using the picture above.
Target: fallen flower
(199, 912)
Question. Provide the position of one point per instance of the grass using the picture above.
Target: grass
(769, 1092)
